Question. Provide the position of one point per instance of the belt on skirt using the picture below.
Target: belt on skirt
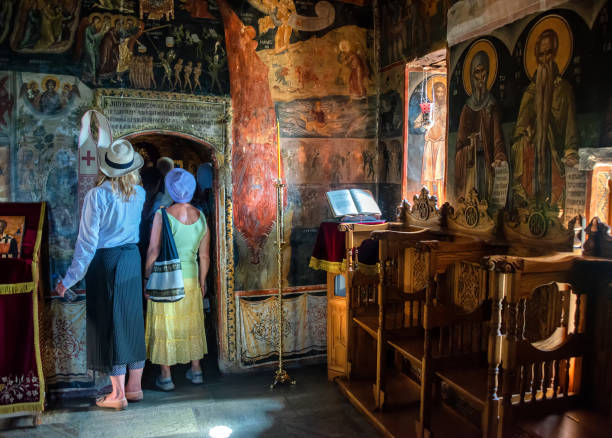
(124, 247)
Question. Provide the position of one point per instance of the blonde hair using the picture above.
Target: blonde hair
(124, 184)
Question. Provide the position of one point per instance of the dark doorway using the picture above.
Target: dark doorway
(190, 153)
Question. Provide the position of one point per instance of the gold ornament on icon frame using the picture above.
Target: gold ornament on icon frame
(481, 45)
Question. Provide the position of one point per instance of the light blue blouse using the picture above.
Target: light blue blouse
(106, 222)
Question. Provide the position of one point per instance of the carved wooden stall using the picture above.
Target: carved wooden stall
(539, 316)
(388, 370)
(340, 285)
(470, 370)
(465, 333)
(351, 280)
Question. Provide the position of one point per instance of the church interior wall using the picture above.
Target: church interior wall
(408, 31)
(316, 74)
(579, 96)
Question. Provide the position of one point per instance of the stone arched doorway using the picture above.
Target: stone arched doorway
(202, 123)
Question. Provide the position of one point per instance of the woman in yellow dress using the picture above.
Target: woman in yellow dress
(175, 331)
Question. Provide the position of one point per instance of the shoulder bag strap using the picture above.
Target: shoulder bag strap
(168, 247)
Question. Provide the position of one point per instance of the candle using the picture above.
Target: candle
(278, 148)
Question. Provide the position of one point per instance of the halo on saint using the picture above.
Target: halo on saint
(431, 81)
(54, 79)
(481, 45)
(561, 28)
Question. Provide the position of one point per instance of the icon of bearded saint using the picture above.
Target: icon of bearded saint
(480, 145)
(545, 138)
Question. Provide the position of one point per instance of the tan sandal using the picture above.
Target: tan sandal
(135, 396)
(118, 405)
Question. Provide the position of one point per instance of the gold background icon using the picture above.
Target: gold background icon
(480, 46)
(564, 51)
(430, 83)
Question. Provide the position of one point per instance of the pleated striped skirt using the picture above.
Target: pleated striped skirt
(115, 324)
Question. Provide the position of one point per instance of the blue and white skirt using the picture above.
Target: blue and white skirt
(115, 324)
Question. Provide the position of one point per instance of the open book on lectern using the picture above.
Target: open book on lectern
(352, 202)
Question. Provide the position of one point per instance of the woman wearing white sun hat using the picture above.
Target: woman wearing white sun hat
(106, 254)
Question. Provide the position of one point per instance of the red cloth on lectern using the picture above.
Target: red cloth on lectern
(330, 247)
(15, 271)
(20, 376)
(330, 244)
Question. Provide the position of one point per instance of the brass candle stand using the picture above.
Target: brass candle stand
(281, 376)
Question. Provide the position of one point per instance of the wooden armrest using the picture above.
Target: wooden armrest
(412, 234)
(355, 227)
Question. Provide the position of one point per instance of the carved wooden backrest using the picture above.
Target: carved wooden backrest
(364, 291)
(419, 260)
(403, 266)
(538, 226)
(470, 216)
(541, 373)
(536, 317)
(422, 212)
(403, 303)
(543, 312)
(458, 320)
(468, 285)
(543, 343)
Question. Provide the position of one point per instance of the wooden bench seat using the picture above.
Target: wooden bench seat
(368, 322)
(471, 384)
(412, 348)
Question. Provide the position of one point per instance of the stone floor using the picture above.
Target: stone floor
(312, 408)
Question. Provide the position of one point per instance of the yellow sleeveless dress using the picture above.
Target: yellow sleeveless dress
(175, 331)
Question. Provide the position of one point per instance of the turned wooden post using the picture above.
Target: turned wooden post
(423, 426)
(379, 394)
(491, 411)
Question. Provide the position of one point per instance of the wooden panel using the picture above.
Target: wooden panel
(337, 337)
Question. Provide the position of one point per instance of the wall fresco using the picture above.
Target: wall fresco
(426, 160)
(410, 28)
(390, 160)
(528, 96)
(7, 102)
(254, 153)
(5, 173)
(312, 100)
(109, 43)
(329, 160)
(44, 26)
(309, 63)
(45, 167)
(390, 152)
(343, 67)
(332, 116)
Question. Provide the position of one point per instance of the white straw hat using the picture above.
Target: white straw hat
(119, 159)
